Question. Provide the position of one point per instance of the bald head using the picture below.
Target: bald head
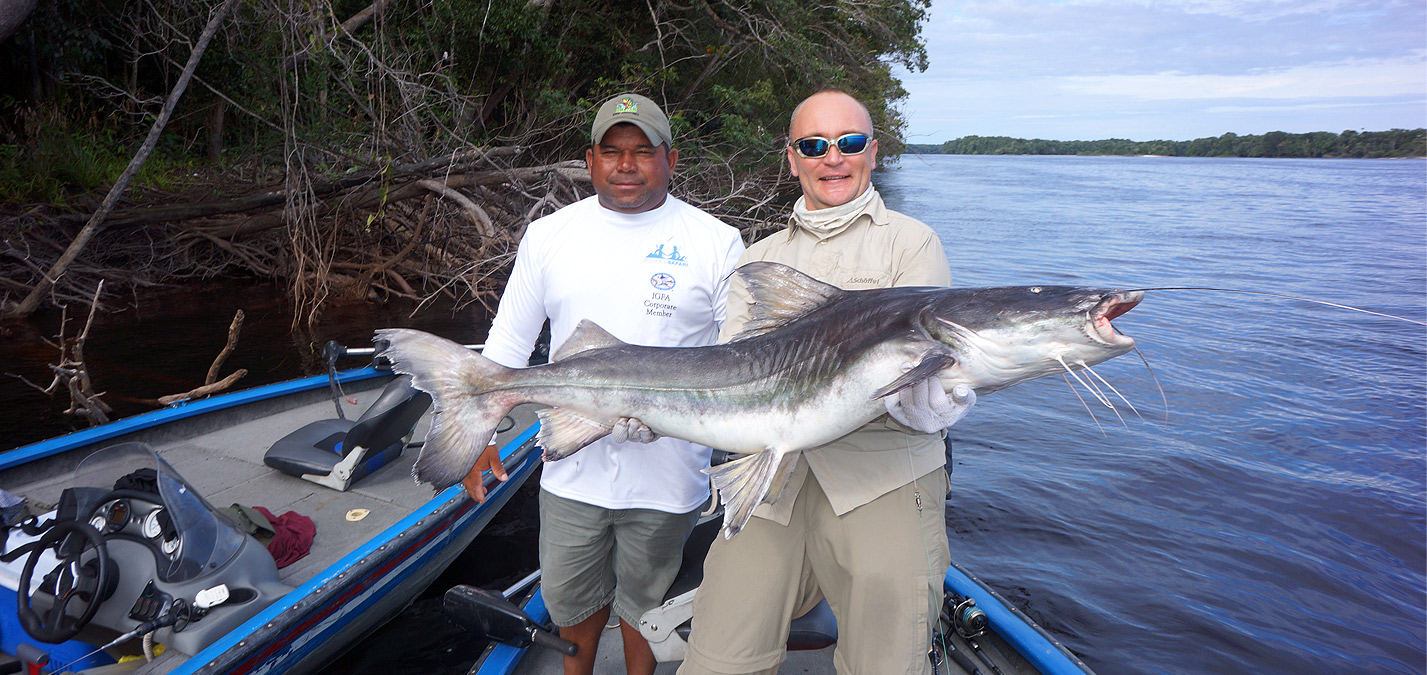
(822, 100)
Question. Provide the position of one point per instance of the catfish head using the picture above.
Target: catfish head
(1007, 335)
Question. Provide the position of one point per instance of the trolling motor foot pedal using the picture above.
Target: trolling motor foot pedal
(489, 615)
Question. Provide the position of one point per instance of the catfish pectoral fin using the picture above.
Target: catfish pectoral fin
(450, 451)
(563, 432)
(931, 364)
(781, 477)
(742, 484)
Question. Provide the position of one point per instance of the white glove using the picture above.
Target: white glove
(631, 430)
(926, 407)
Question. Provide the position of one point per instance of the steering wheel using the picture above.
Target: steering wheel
(70, 581)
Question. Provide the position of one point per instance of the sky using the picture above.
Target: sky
(1167, 69)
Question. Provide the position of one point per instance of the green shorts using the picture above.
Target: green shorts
(591, 556)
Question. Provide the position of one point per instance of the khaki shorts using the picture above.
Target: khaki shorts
(591, 556)
(880, 566)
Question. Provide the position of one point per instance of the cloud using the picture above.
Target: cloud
(1260, 10)
(1353, 79)
(1080, 69)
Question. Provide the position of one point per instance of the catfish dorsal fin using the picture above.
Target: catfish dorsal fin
(587, 335)
(780, 294)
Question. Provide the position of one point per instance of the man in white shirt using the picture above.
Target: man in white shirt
(652, 270)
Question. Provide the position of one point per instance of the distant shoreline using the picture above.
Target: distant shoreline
(1395, 143)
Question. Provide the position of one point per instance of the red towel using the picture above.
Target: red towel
(292, 538)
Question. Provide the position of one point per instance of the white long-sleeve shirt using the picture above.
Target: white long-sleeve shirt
(658, 278)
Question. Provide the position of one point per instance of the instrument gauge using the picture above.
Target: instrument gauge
(117, 514)
(99, 523)
(152, 528)
(170, 546)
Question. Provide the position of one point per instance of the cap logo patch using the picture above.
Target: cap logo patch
(625, 105)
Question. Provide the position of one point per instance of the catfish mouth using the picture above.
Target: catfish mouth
(1111, 307)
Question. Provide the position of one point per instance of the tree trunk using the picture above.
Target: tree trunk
(215, 131)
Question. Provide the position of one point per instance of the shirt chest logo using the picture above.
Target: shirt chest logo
(669, 254)
(662, 281)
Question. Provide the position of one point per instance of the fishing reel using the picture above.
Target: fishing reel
(960, 614)
(965, 617)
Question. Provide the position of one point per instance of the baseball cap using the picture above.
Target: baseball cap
(637, 110)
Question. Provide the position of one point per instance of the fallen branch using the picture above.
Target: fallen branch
(72, 375)
(474, 213)
(206, 389)
(233, 329)
(189, 211)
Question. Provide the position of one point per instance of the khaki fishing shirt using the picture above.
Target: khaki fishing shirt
(880, 248)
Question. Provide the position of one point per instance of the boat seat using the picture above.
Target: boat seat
(338, 453)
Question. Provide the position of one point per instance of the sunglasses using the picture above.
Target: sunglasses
(814, 147)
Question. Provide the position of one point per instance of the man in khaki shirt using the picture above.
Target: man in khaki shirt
(861, 521)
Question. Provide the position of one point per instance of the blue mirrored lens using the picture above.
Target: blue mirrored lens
(852, 144)
(813, 147)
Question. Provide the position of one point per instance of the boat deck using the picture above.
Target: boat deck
(226, 465)
(611, 660)
(815, 662)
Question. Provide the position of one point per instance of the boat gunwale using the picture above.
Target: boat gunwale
(1014, 626)
(182, 410)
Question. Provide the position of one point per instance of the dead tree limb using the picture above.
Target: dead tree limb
(472, 210)
(233, 330)
(177, 212)
(363, 17)
(71, 374)
(32, 301)
(206, 389)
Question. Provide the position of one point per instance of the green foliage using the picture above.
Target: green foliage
(424, 79)
(1352, 144)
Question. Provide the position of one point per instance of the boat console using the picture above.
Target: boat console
(131, 548)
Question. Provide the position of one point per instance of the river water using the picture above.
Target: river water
(1274, 522)
(1271, 519)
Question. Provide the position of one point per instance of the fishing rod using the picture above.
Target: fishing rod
(1279, 295)
(334, 351)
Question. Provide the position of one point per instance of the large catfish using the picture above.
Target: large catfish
(811, 366)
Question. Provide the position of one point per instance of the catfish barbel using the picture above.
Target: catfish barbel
(810, 367)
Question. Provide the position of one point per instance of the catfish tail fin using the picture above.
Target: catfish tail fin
(466, 402)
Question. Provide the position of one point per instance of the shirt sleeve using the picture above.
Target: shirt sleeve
(923, 263)
(521, 313)
(736, 308)
(729, 263)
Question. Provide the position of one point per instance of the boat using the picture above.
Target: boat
(980, 631)
(134, 562)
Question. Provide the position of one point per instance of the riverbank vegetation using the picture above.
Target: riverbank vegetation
(1348, 144)
(368, 149)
